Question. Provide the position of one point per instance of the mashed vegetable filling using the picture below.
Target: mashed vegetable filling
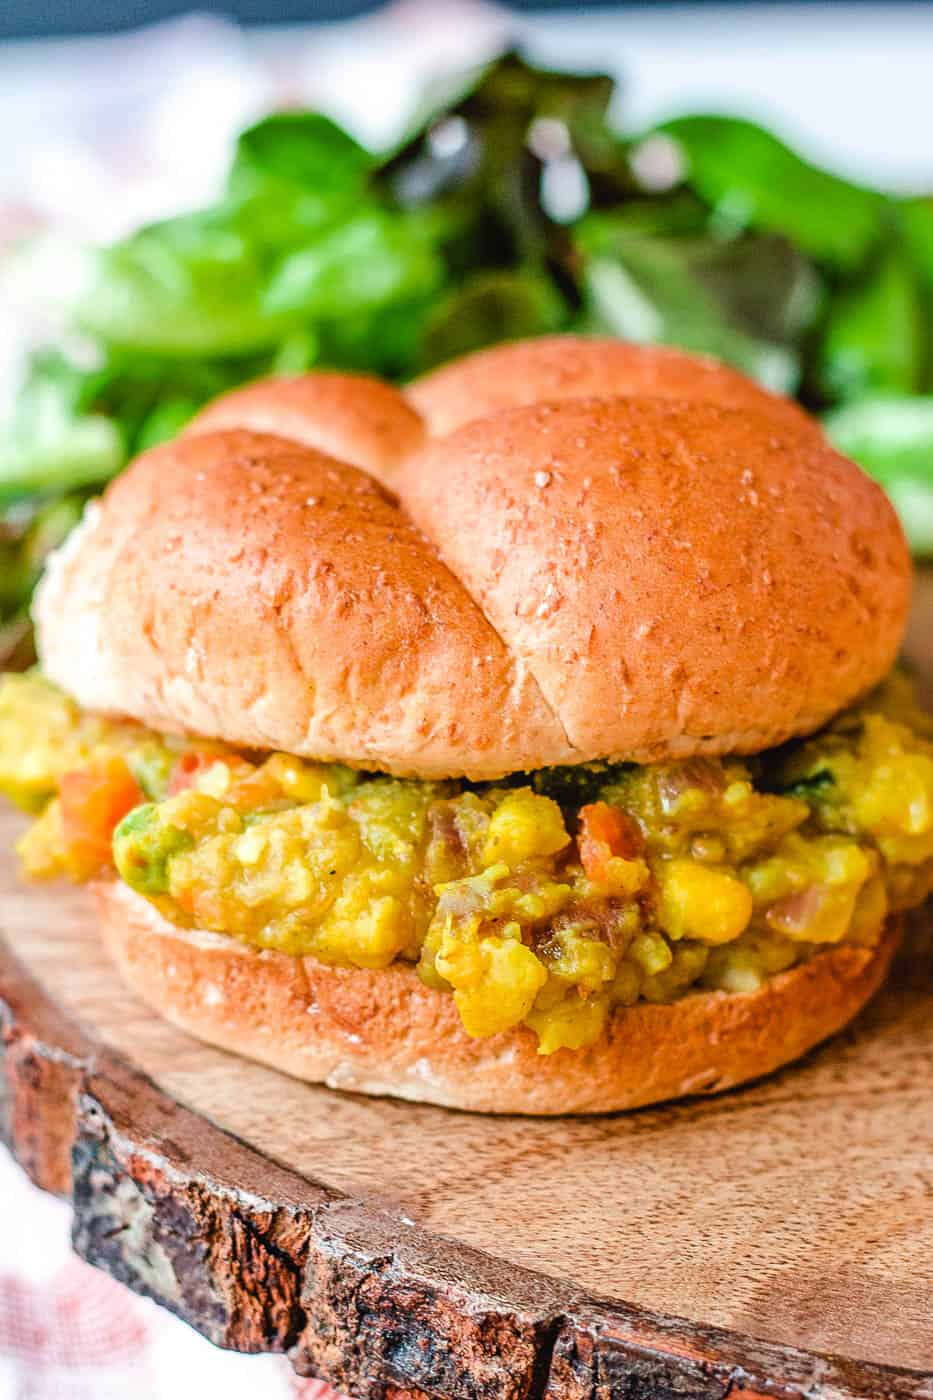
(547, 899)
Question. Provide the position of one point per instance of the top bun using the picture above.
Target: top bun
(560, 582)
(352, 417)
(577, 367)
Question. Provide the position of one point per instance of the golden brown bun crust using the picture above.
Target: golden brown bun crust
(387, 1033)
(603, 578)
(353, 417)
(678, 578)
(250, 589)
(576, 367)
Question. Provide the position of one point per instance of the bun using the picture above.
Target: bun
(678, 578)
(599, 578)
(559, 367)
(250, 589)
(386, 1033)
(352, 417)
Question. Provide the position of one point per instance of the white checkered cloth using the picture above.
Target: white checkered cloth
(68, 1332)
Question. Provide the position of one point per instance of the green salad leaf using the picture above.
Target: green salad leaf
(372, 260)
(489, 307)
(915, 222)
(305, 149)
(767, 286)
(194, 285)
(55, 440)
(751, 179)
(892, 438)
(874, 340)
(482, 158)
(653, 290)
(298, 237)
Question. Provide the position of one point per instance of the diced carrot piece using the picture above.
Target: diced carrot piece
(93, 800)
(606, 831)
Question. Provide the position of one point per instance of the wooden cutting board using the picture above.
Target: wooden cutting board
(776, 1240)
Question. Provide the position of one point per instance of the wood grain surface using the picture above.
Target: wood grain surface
(776, 1240)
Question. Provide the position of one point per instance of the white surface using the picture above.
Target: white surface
(851, 83)
(169, 1361)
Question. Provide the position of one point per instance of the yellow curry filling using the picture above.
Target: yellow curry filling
(547, 899)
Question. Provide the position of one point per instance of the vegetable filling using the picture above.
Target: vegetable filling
(547, 899)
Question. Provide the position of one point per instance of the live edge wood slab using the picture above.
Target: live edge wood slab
(776, 1241)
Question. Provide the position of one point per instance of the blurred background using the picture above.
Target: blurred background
(192, 199)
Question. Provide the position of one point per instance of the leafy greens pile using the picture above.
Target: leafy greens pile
(513, 209)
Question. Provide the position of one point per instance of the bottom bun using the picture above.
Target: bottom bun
(385, 1032)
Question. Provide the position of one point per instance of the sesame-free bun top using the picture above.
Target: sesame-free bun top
(579, 367)
(352, 417)
(559, 582)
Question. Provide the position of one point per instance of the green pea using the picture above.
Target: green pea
(143, 846)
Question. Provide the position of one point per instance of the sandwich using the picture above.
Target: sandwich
(529, 741)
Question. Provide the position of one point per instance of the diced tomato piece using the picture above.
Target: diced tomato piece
(93, 800)
(606, 831)
(188, 768)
